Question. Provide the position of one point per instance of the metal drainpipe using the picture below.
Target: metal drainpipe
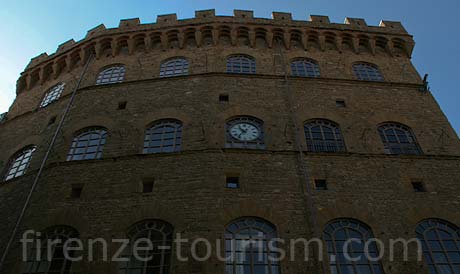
(42, 165)
(301, 159)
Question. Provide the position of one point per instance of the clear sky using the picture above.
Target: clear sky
(32, 27)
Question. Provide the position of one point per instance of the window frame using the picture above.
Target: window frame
(78, 139)
(232, 240)
(235, 64)
(313, 71)
(412, 147)
(364, 71)
(18, 157)
(105, 71)
(347, 225)
(52, 95)
(135, 232)
(163, 124)
(183, 67)
(434, 225)
(62, 232)
(324, 145)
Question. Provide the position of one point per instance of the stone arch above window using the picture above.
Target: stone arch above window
(88, 144)
(441, 245)
(337, 233)
(174, 67)
(398, 139)
(243, 64)
(57, 263)
(19, 163)
(367, 72)
(305, 67)
(244, 132)
(323, 136)
(156, 260)
(246, 240)
(111, 75)
(163, 136)
(52, 95)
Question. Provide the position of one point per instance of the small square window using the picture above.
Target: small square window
(223, 98)
(232, 182)
(320, 184)
(340, 103)
(122, 105)
(76, 191)
(147, 186)
(418, 186)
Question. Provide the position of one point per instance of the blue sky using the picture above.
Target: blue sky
(32, 27)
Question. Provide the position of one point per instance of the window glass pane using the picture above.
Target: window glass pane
(19, 163)
(163, 136)
(111, 75)
(398, 139)
(86, 144)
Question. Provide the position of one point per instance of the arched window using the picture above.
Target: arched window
(52, 95)
(244, 132)
(398, 139)
(241, 64)
(441, 245)
(323, 136)
(19, 163)
(174, 67)
(88, 144)
(163, 136)
(115, 74)
(156, 260)
(346, 241)
(367, 72)
(248, 249)
(304, 68)
(55, 239)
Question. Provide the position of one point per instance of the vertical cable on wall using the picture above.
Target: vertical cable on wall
(43, 163)
(301, 161)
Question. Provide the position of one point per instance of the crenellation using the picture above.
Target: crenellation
(95, 31)
(320, 19)
(356, 22)
(200, 14)
(65, 46)
(166, 19)
(171, 30)
(394, 25)
(243, 14)
(129, 23)
(282, 16)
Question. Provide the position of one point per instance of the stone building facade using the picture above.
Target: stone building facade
(197, 126)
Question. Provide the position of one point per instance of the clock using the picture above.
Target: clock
(244, 131)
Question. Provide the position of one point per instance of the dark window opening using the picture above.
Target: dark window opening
(340, 103)
(224, 98)
(320, 184)
(76, 191)
(122, 105)
(418, 187)
(232, 182)
(147, 186)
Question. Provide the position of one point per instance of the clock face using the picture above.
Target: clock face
(244, 132)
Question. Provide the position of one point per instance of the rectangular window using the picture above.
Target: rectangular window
(223, 98)
(232, 182)
(147, 186)
(122, 105)
(418, 186)
(320, 184)
(76, 191)
(340, 103)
